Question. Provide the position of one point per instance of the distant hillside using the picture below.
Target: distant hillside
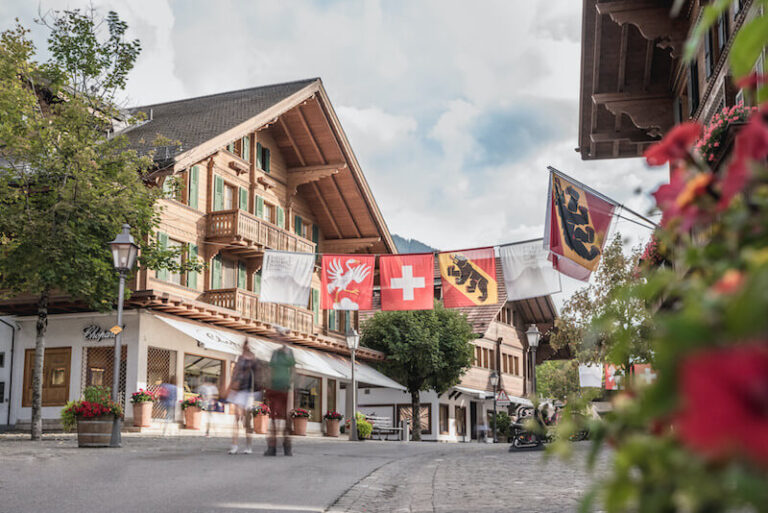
(411, 245)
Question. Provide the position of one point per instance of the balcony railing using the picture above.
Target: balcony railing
(248, 305)
(238, 224)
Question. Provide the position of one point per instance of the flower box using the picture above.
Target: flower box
(142, 414)
(95, 431)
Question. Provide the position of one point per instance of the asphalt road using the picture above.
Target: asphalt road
(195, 474)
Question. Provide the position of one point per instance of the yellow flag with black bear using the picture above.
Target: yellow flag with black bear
(469, 277)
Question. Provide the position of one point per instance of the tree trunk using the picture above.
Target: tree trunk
(415, 416)
(37, 369)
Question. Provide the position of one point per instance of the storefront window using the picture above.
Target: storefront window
(199, 370)
(307, 395)
(331, 395)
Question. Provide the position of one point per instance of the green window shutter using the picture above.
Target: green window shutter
(231, 147)
(316, 305)
(241, 281)
(258, 206)
(259, 156)
(194, 179)
(315, 233)
(192, 275)
(267, 160)
(297, 225)
(332, 320)
(218, 193)
(216, 272)
(347, 326)
(257, 283)
(243, 199)
(280, 217)
(168, 191)
(162, 238)
(247, 148)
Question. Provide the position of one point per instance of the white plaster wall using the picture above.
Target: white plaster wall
(6, 339)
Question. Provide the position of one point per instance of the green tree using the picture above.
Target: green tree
(557, 379)
(604, 322)
(426, 350)
(67, 183)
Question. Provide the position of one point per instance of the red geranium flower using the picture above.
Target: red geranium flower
(676, 199)
(751, 144)
(675, 145)
(752, 81)
(725, 402)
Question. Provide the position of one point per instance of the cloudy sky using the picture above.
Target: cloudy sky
(453, 108)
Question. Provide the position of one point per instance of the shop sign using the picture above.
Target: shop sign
(97, 333)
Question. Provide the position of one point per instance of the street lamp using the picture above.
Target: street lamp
(124, 253)
(494, 383)
(534, 335)
(353, 341)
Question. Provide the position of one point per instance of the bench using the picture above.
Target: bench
(382, 426)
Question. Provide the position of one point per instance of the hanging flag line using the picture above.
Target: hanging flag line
(602, 196)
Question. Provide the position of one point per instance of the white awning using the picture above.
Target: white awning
(485, 394)
(330, 365)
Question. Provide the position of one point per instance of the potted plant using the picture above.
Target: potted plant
(260, 418)
(300, 418)
(93, 415)
(332, 419)
(191, 406)
(142, 401)
(364, 428)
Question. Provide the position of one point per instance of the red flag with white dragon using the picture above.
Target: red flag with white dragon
(577, 224)
(347, 282)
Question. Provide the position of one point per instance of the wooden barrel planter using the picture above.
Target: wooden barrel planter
(94, 431)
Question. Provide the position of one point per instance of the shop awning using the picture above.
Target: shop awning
(329, 365)
(485, 394)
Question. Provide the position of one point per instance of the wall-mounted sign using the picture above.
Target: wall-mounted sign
(97, 333)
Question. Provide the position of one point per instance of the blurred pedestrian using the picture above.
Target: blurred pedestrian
(244, 383)
(281, 367)
(167, 396)
(208, 394)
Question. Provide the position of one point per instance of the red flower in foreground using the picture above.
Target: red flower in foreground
(676, 144)
(730, 283)
(725, 402)
(676, 199)
(751, 144)
(752, 81)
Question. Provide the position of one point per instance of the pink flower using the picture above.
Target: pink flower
(752, 81)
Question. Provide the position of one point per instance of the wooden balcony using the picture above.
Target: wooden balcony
(248, 305)
(253, 235)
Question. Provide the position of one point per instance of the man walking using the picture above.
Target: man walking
(281, 367)
(245, 379)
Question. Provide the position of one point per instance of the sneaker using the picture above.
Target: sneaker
(287, 451)
(271, 451)
(247, 450)
(233, 450)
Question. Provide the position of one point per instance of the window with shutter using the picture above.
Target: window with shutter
(162, 238)
(241, 282)
(246, 144)
(216, 272)
(231, 147)
(693, 87)
(332, 320)
(243, 199)
(257, 283)
(298, 226)
(315, 233)
(258, 206)
(218, 193)
(192, 191)
(259, 159)
(169, 187)
(192, 275)
(316, 305)
(280, 217)
(709, 54)
(267, 159)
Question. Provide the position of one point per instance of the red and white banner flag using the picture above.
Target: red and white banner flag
(576, 227)
(347, 282)
(407, 281)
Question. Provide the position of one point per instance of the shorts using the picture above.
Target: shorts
(278, 403)
(241, 398)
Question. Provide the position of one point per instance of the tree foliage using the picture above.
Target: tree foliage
(426, 349)
(557, 379)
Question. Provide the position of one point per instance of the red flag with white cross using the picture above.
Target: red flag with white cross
(407, 281)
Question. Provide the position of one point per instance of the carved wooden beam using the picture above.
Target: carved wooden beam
(264, 181)
(349, 245)
(301, 175)
(237, 167)
(622, 135)
(650, 112)
(652, 20)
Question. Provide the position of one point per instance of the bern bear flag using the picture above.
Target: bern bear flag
(469, 277)
(576, 227)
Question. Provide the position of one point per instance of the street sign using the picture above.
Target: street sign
(115, 329)
(502, 399)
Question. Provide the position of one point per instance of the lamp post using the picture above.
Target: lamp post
(534, 335)
(124, 253)
(353, 341)
(494, 383)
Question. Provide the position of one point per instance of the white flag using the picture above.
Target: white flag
(591, 376)
(527, 272)
(286, 277)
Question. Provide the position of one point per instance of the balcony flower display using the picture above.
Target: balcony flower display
(711, 140)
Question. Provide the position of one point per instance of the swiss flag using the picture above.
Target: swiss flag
(407, 281)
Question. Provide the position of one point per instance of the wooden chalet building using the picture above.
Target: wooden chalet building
(462, 413)
(262, 168)
(634, 85)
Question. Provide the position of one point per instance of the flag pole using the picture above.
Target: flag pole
(602, 196)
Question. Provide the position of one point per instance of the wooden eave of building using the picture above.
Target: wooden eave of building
(628, 53)
(321, 166)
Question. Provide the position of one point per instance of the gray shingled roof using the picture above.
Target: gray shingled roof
(196, 120)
